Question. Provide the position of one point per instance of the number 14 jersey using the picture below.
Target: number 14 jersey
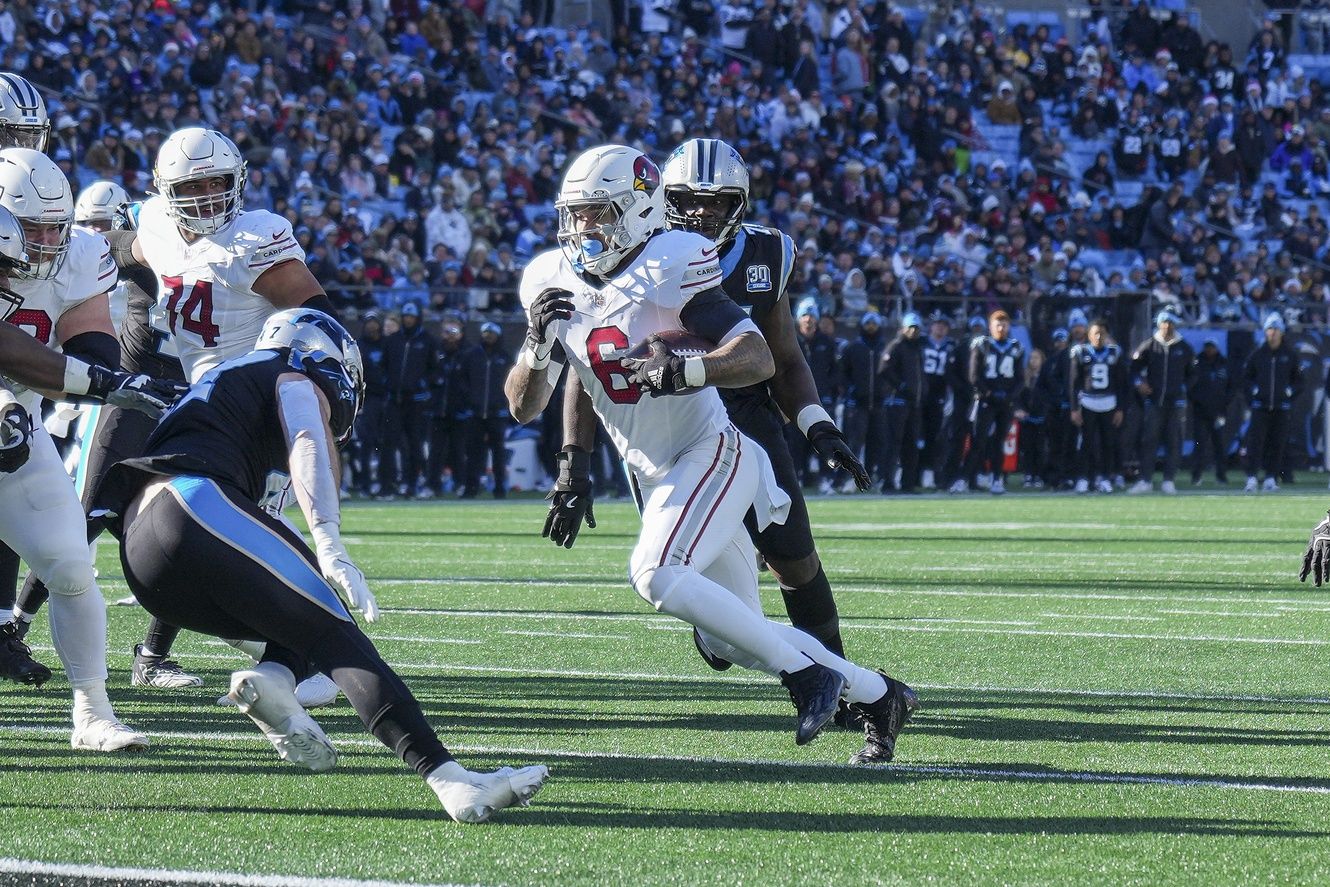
(205, 299)
(643, 297)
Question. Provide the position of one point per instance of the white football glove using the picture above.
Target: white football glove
(338, 569)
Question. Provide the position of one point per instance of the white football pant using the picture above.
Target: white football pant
(695, 561)
(42, 519)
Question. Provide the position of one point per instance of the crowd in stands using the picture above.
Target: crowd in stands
(922, 159)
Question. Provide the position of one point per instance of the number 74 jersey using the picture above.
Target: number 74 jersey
(643, 297)
(205, 299)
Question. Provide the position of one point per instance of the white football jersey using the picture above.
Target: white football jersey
(87, 271)
(205, 298)
(644, 297)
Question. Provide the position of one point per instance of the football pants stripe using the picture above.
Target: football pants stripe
(717, 484)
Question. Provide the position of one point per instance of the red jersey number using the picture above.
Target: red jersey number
(191, 306)
(601, 344)
(33, 321)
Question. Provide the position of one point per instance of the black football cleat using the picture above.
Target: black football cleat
(849, 719)
(883, 721)
(815, 692)
(708, 657)
(16, 662)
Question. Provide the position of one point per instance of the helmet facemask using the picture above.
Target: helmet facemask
(715, 214)
(592, 234)
(205, 213)
(25, 135)
(44, 260)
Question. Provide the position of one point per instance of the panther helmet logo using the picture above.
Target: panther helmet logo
(646, 177)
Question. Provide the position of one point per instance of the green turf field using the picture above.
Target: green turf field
(1114, 690)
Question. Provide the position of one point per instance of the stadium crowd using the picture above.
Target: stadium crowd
(946, 166)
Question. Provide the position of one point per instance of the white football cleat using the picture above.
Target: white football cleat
(960, 486)
(105, 734)
(1251, 485)
(129, 601)
(1270, 486)
(1141, 486)
(1168, 488)
(474, 797)
(316, 691)
(271, 704)
(998, 487)
(1082, 486)
(926, 481)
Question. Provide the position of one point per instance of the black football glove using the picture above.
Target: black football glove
(551, 305)
(1316, 562)
(134, 391)
(832, 448)
(661, 373)
(570, 499)
(15, 437)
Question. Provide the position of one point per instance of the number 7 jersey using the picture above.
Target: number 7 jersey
(643, 297)
(205, 298)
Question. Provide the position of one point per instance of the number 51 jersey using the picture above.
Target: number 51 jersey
(644, 296)
(205, 299)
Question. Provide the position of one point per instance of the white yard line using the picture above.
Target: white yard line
(1100, 616)
(965, 772)
(9, 865)
(1230, 613)
(568, 634)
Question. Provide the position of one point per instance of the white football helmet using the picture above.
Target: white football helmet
(321, 348)
(13, 260)
(34, 189)
(610, 202)
(706, 188)
(197, 153)
(101, 202)
(24, 122)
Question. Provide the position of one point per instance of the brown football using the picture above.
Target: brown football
(681, 342)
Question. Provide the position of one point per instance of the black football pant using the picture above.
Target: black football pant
(1210, 443)
(485, 436)
(1167, 421)
(1034, 448)
(447, 449)
(369, 440)
(1062, 438)
(866, 432)
(990, 421)
(1266, 435)
(902, 446)
(933, 432)
(1098, 445)
(203, 557)
(405, 432)
(811, 606)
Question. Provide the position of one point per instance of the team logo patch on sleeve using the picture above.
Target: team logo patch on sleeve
(759, 279)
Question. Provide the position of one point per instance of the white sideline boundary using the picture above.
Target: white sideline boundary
(12, 866)
(976, 772)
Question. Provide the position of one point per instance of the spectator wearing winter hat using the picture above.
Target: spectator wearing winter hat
(1210, 394)
(865, 399)
(820, 351)
(1161, 369)
(483, 368)
(1272, 380)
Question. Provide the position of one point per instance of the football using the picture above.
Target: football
(681, 342)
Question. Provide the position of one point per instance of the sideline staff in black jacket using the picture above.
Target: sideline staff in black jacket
(1272, 379)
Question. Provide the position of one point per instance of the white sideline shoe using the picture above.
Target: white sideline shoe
(271, 704)
(1168, 488)
(1251, 485)
(960, 486)
(1141, 486)
(474, 797)
(1082, 486)
(1270, 486)
(1104, 486)
(105, 733)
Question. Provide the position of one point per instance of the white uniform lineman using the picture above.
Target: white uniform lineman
(206, 301)
(40, 515)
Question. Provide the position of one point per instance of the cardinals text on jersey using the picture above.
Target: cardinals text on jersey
(643, 297)
(206, 298)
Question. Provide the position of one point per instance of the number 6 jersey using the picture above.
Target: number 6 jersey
(205, 298)
(644, 296)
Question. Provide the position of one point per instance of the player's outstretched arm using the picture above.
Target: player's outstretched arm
(529, 383)
(314, 468)
(1316, 561)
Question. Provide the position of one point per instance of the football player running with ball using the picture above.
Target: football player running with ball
(706, 192)
(199, 552)
(618, 279)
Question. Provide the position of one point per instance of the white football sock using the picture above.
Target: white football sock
(91, 702)
(78, 632)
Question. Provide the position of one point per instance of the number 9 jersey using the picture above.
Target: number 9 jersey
(642, 297)
(205, 299)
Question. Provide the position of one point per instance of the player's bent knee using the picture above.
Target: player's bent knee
(71, 577)
(657, 586)
(795, 573)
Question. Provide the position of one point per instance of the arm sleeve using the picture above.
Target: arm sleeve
(976, 374)
(310, 460)
(94, 347)
(321, 302)
(1073, 379)
(714, 316)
